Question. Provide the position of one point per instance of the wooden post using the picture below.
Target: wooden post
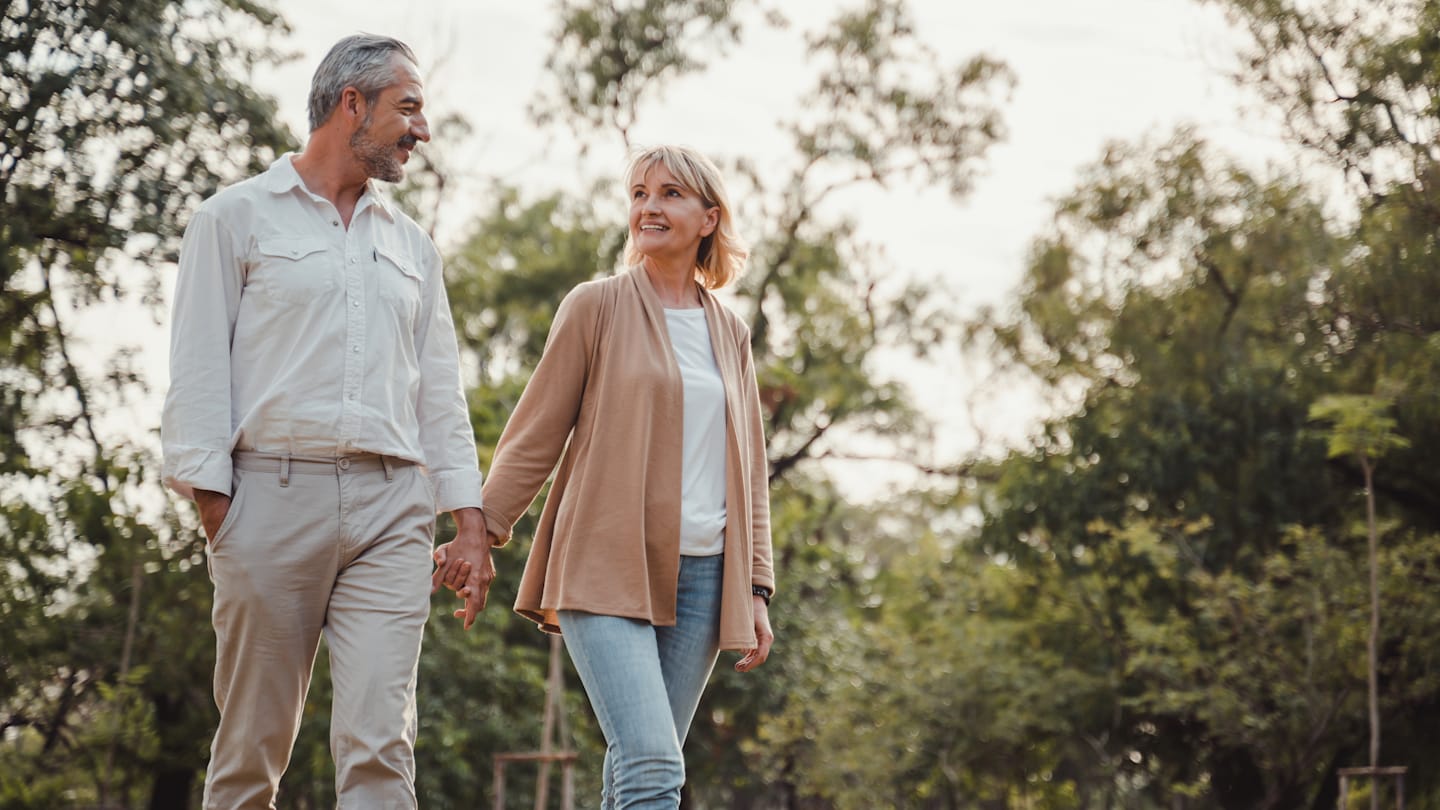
(548, 753)
(567, 772)
(547, 728)
(1396, 773)
(499, 783)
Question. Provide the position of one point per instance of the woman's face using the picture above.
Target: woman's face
(668, 220)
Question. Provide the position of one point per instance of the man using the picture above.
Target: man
(316, 416)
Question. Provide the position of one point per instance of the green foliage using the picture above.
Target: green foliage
(886, 107)
(1355, 80)
(115, 120)
(1361, 426)
(507, 279)
(1170, 303)
(607, 56)
(1191, 322)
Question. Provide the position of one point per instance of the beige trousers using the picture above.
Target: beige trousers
(340, 547)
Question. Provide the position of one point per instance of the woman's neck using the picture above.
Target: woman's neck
(673, 282)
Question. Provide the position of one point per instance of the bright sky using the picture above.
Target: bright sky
(1088, 72)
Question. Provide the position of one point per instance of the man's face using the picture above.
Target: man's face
(392, 126)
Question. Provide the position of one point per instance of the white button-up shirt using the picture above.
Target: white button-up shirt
(294, 335)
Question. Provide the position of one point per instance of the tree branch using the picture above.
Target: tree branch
(782, 465)
(71, 374)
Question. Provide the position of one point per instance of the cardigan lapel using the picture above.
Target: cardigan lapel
(649, 299)
(722, 343)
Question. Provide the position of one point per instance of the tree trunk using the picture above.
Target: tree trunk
(1373, 640)
(170, 789)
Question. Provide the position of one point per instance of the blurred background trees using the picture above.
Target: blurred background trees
(116, 119)
(1160, 600)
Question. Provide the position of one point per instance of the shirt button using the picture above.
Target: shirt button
(355, 304)
(350, 396)
(353, 260)
(335, 222)
(345, 462)
(355, 349)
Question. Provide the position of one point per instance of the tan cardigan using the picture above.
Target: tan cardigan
(608, 541)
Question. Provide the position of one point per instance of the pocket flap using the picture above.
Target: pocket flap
(294, 248)
(405, 264)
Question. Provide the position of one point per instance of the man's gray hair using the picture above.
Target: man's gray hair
(363, 61)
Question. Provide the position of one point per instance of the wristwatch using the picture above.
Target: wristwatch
(762, 592)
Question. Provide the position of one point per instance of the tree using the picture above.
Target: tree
(1354, 80)
(606, 57)
(115, 120)
(1183, 315)
(1357, 85)
(1363, 431)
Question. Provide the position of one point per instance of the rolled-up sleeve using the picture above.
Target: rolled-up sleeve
(195, 426)
(446, 436)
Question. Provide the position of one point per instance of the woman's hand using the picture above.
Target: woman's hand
(764, 636)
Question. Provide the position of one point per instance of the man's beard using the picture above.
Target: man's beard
(379, 159)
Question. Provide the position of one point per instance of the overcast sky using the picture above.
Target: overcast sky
(1089, 71)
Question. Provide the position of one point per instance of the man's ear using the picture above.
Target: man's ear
(352, 103)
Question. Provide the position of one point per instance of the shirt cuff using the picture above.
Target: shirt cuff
(190, 468)
(456, 489)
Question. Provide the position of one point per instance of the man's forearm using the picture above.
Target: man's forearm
(470, 519)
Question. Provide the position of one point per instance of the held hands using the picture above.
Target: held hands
(464, 564)
(764, 637)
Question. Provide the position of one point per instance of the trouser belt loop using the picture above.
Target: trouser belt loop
(285, 470)
(389, 473)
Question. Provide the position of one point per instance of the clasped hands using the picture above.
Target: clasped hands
(464, 564)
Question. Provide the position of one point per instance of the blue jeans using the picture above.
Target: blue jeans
(644, 683)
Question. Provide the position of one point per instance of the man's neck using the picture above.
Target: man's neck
(332, 174)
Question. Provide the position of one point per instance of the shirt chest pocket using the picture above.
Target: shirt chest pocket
(293, 269)
(397, 283)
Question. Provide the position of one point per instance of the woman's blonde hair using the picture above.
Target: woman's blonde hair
(722, 254)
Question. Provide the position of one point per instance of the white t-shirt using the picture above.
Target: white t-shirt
(702, 491)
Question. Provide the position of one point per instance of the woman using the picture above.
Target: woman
(653, 549)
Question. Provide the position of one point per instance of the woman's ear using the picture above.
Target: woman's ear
(712, 220)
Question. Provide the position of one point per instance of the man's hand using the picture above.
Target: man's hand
(213, 506)
(464, 564)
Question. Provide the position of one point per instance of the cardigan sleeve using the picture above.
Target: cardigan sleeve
(762, 568)
(537, 431)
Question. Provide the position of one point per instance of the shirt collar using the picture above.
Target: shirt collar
(281, 178)
(379, 200)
